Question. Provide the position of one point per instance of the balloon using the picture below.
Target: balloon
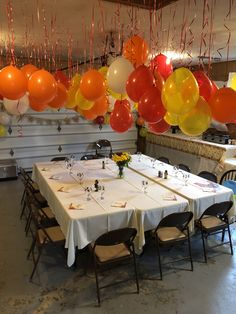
(16, 107)
(121, 118)
(100, 106)
(196, 121)
(42, 86)
(219, 126)
(171, 119)
(159, 127)
(223, 105)
(92, 85)
(103, 70)
(233, 82)
(214, 88)
(88, 114)
(28, 70)
(107, 118)
(140, 121)
(1, 97)
(37, 106)
(75, 81)
(81, 102)
(13, 84)
(150, 105)
(4, 118)
(99, 120)
(159, 80)
(60, 99)
(71, 97)
(136, 50)
(62, 78)
(163, 65)
(3, 131)
(117, 95)
(138, 82)
(180, 92)
(205, 85)
(117, 75)
(143, 132)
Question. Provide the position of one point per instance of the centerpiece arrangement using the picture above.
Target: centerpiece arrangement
(122, 160)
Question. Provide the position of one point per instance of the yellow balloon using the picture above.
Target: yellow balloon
(82, 102)
(3, 131)
(171, 118)
(71, 97)
(196, 121)
(75, 81)
(233, 82)
(103, 71)
(107, 119)
(116, 95)
(180, 92)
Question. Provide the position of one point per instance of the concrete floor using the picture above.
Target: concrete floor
(209, 289)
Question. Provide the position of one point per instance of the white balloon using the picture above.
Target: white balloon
(117, 75)
(219, 126)
(16, 107)
(4, 118)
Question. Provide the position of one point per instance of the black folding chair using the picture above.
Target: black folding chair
(208, 175)
(164, 159)
(103, 148)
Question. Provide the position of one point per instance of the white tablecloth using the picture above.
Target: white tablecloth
(97, 216)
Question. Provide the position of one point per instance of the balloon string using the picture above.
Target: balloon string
(213, 3)
(11, 36)
(191, 35)
(85, 39)
(91, 40)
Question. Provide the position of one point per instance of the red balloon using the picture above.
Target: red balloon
(205, 85)
(223, 105)
(121, 118)
(163, 65)
(150, 106)
(61, 97)
(28, 70)
(42, 86)
(214, 88)
(159, 127)
(13, 84)
(62, 78)
(138, 82)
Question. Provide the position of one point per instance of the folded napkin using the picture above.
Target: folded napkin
(55, 177)
(206, 189)
(119, 204)
(76, 206)
(169, 197)
(62, 189)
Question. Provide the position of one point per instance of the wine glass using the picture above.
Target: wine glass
(89, 191)
(102, 192)
(153, 162)
(175, 170)
(186, 178)
(139, 154)
(80, 176)
(144, 186)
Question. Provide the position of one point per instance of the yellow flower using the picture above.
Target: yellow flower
(122, 159)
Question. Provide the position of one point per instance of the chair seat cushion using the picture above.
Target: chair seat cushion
(47, 211)
(39, 197)
(54, 233)
(107, 253)
(170, 233)
(212, 222)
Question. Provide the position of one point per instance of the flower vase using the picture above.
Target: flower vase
(121, 172)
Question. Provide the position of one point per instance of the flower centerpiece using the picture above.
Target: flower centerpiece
(122, 160)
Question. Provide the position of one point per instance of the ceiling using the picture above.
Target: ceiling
(61, 34)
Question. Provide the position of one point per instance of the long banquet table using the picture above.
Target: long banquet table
(124, 204)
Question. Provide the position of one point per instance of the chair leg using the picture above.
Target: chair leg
(23, 197)
(31, 248)
(204, 247)
(190, 252)
(36, 261)
(96, 277)
(230, 241)
(159, 257)
(135, 270)
(23, 209)
(223, 235)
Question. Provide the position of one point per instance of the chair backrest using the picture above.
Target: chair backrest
(61, 158)
(164, 159)
(218, 209)
(178, 220)
(123, 235)
(228, 175)
(208, 175)
(88, 157)
(184, 167)
(102, 146)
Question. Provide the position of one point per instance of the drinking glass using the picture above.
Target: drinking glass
(175, 170)
(186, 178)
(80, 176)
(139, 154)
(88, 191)
(153, 162)
(144, 186)
(102, 192)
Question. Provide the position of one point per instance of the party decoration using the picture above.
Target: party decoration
(150, 106)
(87, 114)
(214, 88)
(162, 65)
(99, 120)
(60, 99)
(103, 70)
(121, 118)
(62, 78)
(138, 82)
(71, 97)
(42, 86)
(13, 83)
(37, 106)
(223, 105)
(196, 121)
(136, 50)
(171, 118)
(205, 85)
(28, 70)
(117, 75)
(180, 92)
(92, 85)
(16, 107)
(4, 118)
(100, 106)
(81, 102)
(75, 81)
(143, 132)
(159, 127)
(159, 80)
(219, 126)
(140, 121)
(3, 131)
(233, 82)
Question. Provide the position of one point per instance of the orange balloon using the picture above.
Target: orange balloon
(223, 105)
(36, 106)
(92, 85)
(28, 70)
(13, 84)
(140, 121)
(89, 114)
(42, 86)
(159, 80)
(100, 106)
(60, 99)
(136, 50)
